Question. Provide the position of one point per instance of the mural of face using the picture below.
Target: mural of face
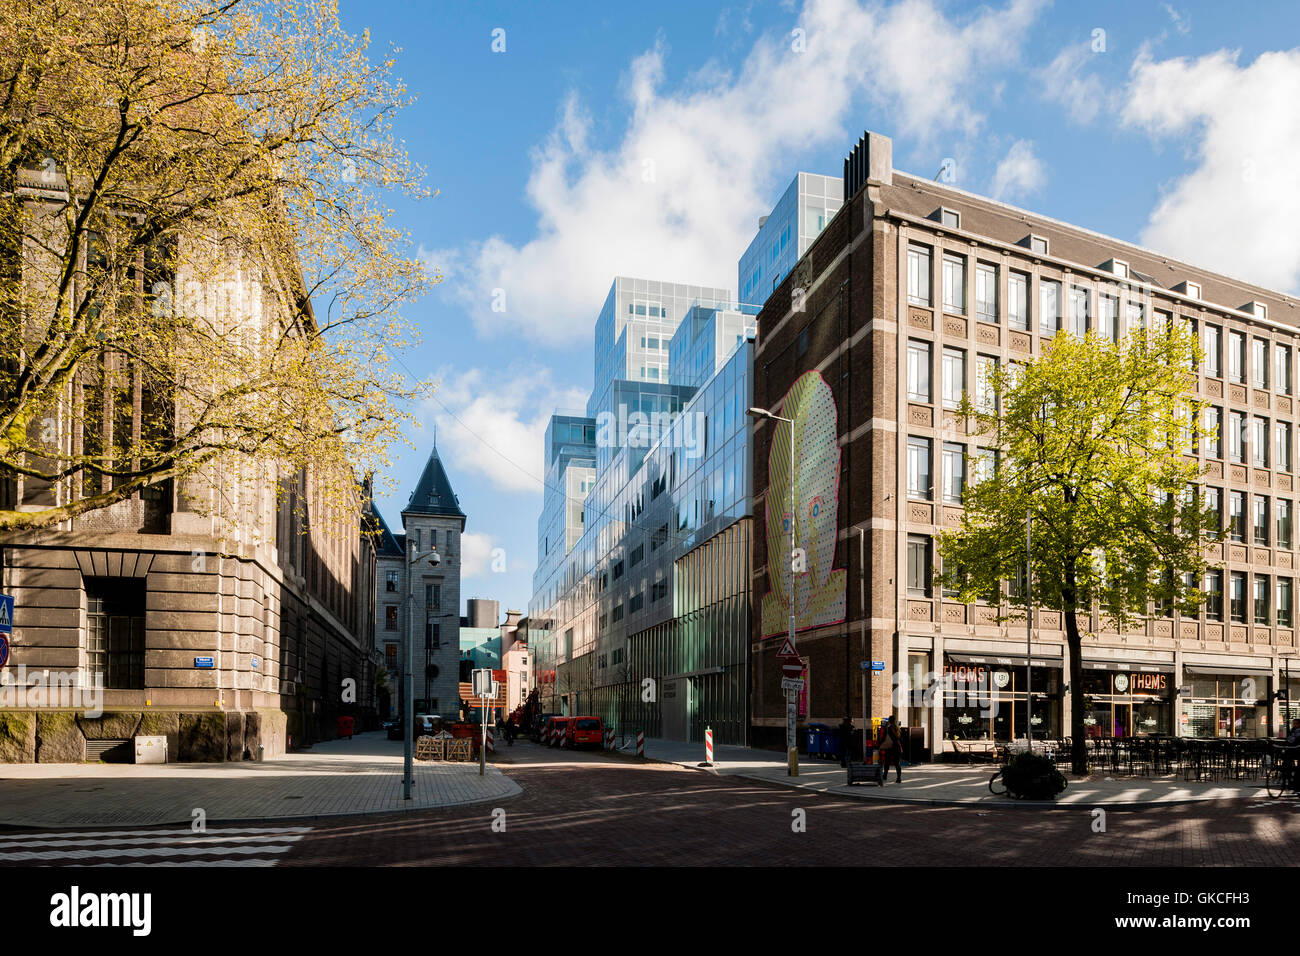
(816, 589)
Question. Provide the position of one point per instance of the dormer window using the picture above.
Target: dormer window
(1037, 245)
(950, 218)
(1190, 289)
(1117, 267)
(1258, 309)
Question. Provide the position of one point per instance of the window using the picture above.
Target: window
(1237, 357)
(1038, 245)
(1283, 602)
(954, 377)
(1237, 596)
(636, 603)
(1212, 432)
(432, 634)
(390, 659)
(954, 284)
(115, 631)
(1018, 300)
(433, 595)
(1212, 347)
(954, 472)
(918, 565)
(951, 219)
(391, 580)
(1237, 436)
(1214, 505)
(1136, 317)
(1282, 369)
(1261, 598)
(1049, 307)
(1259, 363)
(390, 617)
(635, 555)
(1260, 439)
(918, 468)
(1193, 289)
(1237, 516)
(986, 292)
(986, 396)
(1261, 520)
(658, 591)
(918, 371)
(1078, 313)
(1214, 595)
(616, 615)
(1108, 317)
(918, 275)
(1282, 446)
(1283, 523)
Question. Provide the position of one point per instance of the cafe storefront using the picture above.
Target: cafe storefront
(1127, 700)
(1217, 703)
(988, 697)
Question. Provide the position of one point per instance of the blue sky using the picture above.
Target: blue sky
(647, 139)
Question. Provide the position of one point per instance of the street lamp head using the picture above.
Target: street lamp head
(757, 412)
(435, 558)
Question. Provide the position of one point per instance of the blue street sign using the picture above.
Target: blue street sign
(256, 663)
(6, 614)
(4, 650)
(204, 662)
(877, 665)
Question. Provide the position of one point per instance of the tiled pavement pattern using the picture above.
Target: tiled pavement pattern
(256, 846)
(592, 809)
(362, 775)
(946, 784)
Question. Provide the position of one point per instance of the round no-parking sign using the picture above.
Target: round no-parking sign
(4, 650)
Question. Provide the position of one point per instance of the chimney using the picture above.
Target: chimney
(872, 158)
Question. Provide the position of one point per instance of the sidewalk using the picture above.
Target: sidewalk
(946, 784)
(340, 777)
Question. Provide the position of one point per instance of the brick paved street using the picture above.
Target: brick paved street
(592, 809)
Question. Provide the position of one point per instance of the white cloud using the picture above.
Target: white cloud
(1230, 212)
(676, 198)
(492, 422)
(1182, 23)
(475, 554)
(1020, 173)
(1066, 80)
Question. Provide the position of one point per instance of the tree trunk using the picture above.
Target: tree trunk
(1078, 742)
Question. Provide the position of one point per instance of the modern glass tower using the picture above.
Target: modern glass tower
(802, 212)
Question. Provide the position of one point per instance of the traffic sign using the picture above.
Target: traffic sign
(204, 662)
(877, 665)
(6, 613)
(795, 684)
(4, 650)
(481, 681)
(787, 651)
(793, 668)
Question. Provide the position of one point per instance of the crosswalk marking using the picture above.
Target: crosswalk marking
(248, 846)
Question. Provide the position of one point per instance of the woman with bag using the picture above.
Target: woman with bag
(890, 746)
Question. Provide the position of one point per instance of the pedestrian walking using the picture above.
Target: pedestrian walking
(891, 749)
(846, 740)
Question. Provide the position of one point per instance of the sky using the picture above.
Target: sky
(572, 143)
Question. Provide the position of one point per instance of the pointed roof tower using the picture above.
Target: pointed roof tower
(433, 494)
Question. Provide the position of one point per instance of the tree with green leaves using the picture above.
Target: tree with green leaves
(1094, 442)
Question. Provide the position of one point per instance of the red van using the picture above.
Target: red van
(554, 733)
(584, 732)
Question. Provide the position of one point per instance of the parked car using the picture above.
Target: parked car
(554, 732)
(583, 732)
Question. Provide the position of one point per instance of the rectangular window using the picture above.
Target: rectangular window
(390, 659)
(1237, 596)
(986, 292)
(918, 565)
(918, 371)
(1237, 436)
(432, 634)
(391, 580)
(1018, 300)
(1261, 520)
(1049, 307)
(1283, 602)
(1237, 357)
(1078, 312)
(1214, 595)
(115, 612)
(1282, 369)
(636, 602)
(1262, 596)
(1136, 317)
(954, 377)
(918, 468)
(433, 596)
(1283, 523)
(983, 464)
(1108, 317)
(390, 617)
(986, 396)
(1214, 505)
(1212, 432)
(1260, 440)
(918, 275)
(954, 284)
(1259, 363)
(1282, 446)
(954, 472)
(1237, 516)
(1212, 348)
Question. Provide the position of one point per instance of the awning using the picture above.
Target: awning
(1227, 669)
(1002, 660)
(1150, 667)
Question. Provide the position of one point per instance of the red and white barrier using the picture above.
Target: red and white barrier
(609, 738)
(708, 746)
(491, 743)
(640, 743)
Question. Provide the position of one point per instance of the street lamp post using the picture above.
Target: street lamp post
(408, 770)
(791, 748)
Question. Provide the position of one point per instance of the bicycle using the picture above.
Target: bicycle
(995, 782)
(1282, 770)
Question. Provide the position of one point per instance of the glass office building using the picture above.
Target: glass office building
(798, 218)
